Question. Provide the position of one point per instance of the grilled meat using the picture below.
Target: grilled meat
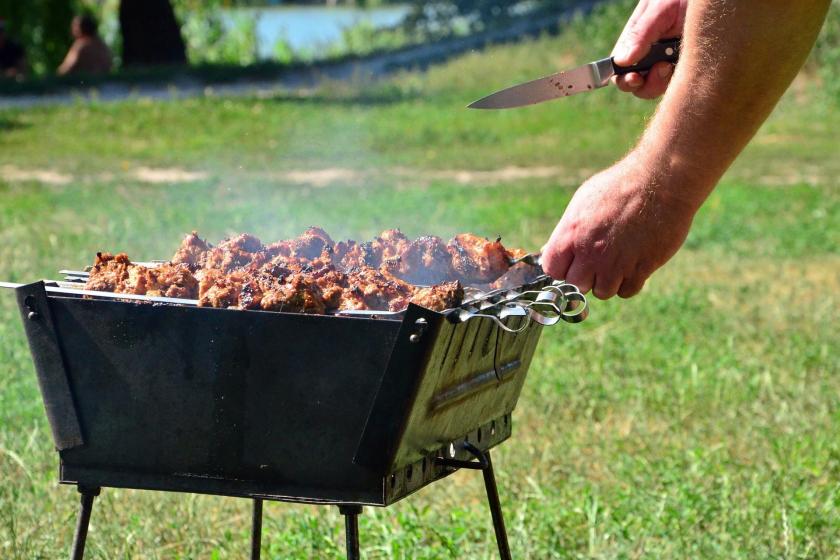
(298, 294)
(349, 254)
(424, 261)
(439, 297)
(477, 260)
(109, 273)
(217, 289)
(313, 274)
(371, 288)
(311, 243)
(119, 275)
(170, 280)
(390, 244)
(191, 252)
(518, 274)
(235, 253)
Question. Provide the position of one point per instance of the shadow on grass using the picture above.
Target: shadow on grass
(10, 123)
(364, 98)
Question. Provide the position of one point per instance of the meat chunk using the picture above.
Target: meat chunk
(424, 261)
(311, 243)
(119, 275)
(349, 254)
(192, 251)
(477, 260)
(390, 244)
(109, 273)
(312, 274)
(170, 280)
(370, 288)
(299, 294)
(439, 297)
(218, 289)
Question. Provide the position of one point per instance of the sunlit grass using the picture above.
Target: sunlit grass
(697, 420)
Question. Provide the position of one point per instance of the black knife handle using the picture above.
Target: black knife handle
(666, 50)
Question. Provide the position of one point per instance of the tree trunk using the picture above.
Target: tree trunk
(150, 34)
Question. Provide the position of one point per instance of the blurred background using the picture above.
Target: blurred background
(242, 32)
(696, 420)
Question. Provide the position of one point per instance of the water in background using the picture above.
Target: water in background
(311, 28)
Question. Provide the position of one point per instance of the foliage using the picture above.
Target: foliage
(446, 17)
(283, 51)
(211, 40)
(42, 27)
(364, 38)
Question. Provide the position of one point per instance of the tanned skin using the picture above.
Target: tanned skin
(738, 58)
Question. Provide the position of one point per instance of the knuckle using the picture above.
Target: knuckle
(602, 293)
(600, 247)
(630, 288)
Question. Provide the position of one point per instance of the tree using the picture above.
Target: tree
(151, 34)
(42, 27)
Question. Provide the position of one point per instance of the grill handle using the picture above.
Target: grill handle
(559, 301)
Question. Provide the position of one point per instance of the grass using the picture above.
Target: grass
(698, 420)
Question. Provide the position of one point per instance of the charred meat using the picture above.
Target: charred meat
(477, 260)
(313, 274)
(116, 273)
(424, 261)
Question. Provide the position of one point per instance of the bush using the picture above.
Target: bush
(42, 27)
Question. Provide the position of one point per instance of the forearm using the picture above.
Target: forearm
(738, 58)
(67, 65)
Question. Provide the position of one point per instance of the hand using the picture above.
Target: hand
(619, 227)
(652, 20)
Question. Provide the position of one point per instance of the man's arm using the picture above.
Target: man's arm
(71, 60)
(738, 57)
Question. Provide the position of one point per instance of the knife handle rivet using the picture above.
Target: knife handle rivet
(669, 51)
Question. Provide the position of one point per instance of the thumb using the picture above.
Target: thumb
(633, 44)
(644, 29)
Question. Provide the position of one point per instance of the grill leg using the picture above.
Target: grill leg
(495, 508)
(351, 529)
(256, 529)
(86, 506)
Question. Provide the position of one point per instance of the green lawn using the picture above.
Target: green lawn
(698, 420)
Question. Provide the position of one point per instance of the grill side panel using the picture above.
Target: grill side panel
(49, 365)
(470, 375)
(266, 402)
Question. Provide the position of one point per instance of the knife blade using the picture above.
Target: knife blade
(584, 78)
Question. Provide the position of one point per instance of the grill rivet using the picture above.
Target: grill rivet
(422, 325)
(29, 302)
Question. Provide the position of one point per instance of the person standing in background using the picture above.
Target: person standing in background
(88, 54)
(12, 55)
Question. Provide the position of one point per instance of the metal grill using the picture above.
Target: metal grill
(353, 409)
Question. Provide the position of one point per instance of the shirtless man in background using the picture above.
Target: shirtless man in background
(737, 59)
(89, 54)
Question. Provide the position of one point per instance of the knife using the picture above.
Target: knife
(582, 79)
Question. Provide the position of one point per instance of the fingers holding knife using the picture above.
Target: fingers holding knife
(649, 86)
